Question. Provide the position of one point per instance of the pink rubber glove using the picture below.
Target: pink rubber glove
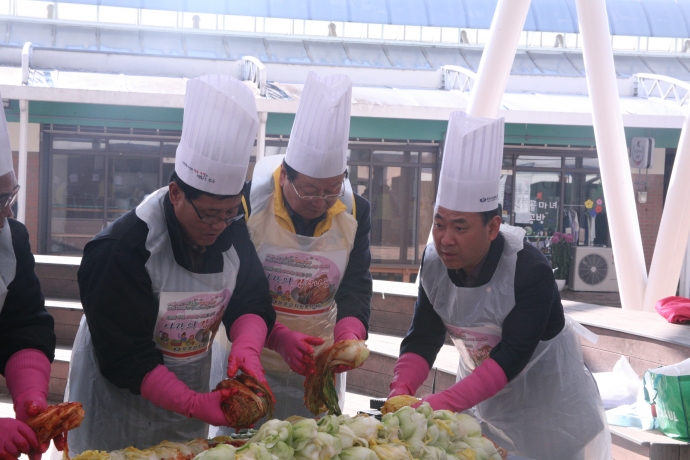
(349, 328)
(410, 372)
(484, 382)
(27, 373)
(164, 389)
(248, 335)
(16, 438)
(294, 347)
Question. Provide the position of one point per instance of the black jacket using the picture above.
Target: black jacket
(24, 320)
(536, 316)
(120, 305)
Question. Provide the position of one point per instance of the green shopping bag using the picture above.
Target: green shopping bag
(671, 394)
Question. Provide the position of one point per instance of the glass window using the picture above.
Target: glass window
(538, 161)
(428, 157)
(536, 202)
(584, 209)
(78, 144)
(134, 146)
(393, 212)
(359, 155)
(395, 157)
(571, 162)
(359, 179)
(505, 195)
(427, 197)
(77, 208)
(170, 149)
(590, 163)
(275, 150)
(95, 181)
(168, 167)
(130, 181)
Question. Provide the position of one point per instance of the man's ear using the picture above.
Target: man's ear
(283, 176)
(176, 193)
(494, 227)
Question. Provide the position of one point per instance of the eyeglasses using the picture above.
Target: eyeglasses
(212, 220)
(326, 198)
(8, 200)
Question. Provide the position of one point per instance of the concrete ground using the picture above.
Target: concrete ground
(607, 299)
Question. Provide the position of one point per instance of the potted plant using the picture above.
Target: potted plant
(560, 257)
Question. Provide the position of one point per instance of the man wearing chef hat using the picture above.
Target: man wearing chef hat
(312, 236)
(27, 336)
(169, 271)
(520, 364)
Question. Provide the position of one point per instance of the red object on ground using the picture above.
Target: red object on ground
(674, 309)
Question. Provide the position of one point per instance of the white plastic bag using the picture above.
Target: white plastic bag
(636, 415)
(674, 370)
(619, 387)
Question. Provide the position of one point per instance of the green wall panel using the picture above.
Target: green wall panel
(360, 127)
(114, 116)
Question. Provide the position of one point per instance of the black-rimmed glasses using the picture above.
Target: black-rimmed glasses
(212, 220)
(9, 199)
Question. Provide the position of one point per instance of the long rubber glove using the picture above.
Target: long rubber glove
(349, 328)
(164, 389)
(410, 372)
(248, 335)
(294, 347)
(27, 373)
(484, 382)
(16, 438)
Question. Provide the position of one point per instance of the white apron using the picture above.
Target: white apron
(303, 274)
(552, 409)
(191, 307)
(8, 262)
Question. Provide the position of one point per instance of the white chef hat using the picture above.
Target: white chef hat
(318, 141)
(6, 164)
(218, 132)
(471, 169)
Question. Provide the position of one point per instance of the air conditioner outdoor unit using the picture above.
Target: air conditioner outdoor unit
(592, 269)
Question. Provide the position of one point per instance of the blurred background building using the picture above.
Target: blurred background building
(104, 80)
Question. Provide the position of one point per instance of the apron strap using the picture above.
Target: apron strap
(582, 331)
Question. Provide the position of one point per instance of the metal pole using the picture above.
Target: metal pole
(612, 149)
(261, 136)
(23, 160)
(672, 240)
(497, 60)
(23, 137)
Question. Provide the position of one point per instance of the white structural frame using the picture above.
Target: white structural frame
(672, 239)
(650, 85)
(253, 70)
(23, 136)
(612, 149)
(457, 78)
(497, 58)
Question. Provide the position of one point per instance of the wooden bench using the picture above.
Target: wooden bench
(405, 270)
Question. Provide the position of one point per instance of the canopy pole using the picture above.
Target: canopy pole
(672, 240)
(613, 153)
(497, 59)
(261, 136)
(23, 137)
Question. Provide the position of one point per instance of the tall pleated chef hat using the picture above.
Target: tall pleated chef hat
(6, 164)
(218, 132)
(318, 141)
(471, 169)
